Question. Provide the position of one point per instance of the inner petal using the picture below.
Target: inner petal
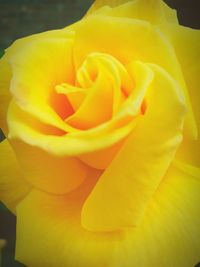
(74, 94)
(97, 107)
(107, 84)
(78, 142)
(133, 106)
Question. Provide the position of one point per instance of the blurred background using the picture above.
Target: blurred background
(19, 18)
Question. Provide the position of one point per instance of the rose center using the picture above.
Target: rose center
(101, 86)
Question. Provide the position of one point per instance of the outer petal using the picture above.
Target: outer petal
(6, 71)
(122, 194)
(34, 87)
(154, 11)
(187, 45)
(131, 44)
(48, 172)
(49, 233)
(5, 76)
(21, 43)
(13, 188)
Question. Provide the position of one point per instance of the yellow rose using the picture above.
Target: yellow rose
(101, 161)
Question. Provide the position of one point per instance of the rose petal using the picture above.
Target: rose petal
(50, 173)
(71, 144)
(168, 235)
(105, 94)
(150, 46)
(92, 140)
(126, 33)
(123, 192)
(21, 43)
(186, 42)
(5, 70)
(74, 94)
(143, 77)
(34, 88)
(13, 188)
(154, 11)
(5, 76)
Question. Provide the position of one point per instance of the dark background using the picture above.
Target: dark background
(19, 18)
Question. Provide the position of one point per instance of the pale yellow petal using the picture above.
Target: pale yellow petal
(49, 233)
(13, 188)
(127, 185)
